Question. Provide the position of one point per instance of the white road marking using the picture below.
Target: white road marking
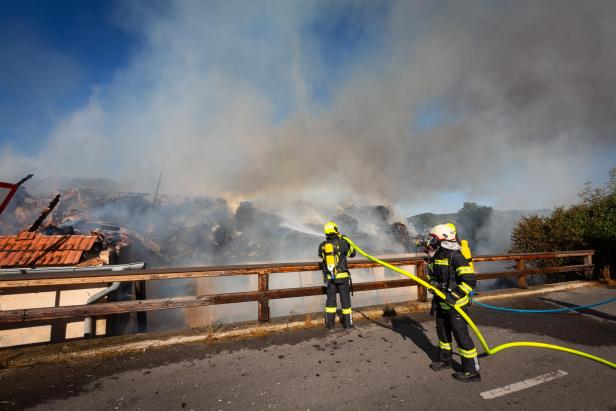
(522, 385)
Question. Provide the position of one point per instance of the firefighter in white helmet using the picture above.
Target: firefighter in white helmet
(454, 275)
(334, 252)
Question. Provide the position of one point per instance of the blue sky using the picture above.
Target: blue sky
(344, 37)
(378, 101)
(54, 53)
(61, 50)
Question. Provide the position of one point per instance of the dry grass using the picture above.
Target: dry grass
(260, 330)
(209, 328)
(308, 318)
(310, 314)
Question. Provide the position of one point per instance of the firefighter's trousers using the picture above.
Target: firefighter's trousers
(449, 322)
(342, 287)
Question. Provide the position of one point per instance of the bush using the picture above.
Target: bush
(590, 224)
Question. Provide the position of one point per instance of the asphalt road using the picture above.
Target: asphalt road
(380, 365)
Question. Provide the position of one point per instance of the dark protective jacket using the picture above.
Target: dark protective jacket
(343, 250)
(453, 273)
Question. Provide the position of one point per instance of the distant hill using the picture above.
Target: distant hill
(425, 221)
(492, 237)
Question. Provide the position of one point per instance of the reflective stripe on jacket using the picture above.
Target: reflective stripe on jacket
(451, 271)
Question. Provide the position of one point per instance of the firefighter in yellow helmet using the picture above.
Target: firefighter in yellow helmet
(454, 275)
(334, 252)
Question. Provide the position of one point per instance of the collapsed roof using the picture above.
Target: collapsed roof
(28, 249)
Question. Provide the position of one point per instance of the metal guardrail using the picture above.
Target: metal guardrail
(33, 282)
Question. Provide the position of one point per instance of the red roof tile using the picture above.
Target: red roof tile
(26, 235)
(33, 249)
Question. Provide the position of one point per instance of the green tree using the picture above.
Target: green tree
(589, 224)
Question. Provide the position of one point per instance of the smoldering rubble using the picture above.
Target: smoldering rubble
(176, 230)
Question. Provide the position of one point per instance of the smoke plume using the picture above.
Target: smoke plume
(312, 110)
(511, 101)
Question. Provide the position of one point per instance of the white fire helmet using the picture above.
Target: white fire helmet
(444, 232)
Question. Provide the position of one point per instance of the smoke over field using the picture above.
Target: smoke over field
(268, 118)
(196, 231)
(262, 102)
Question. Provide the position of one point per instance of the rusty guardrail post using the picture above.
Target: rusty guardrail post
(520, 265)
(264, 311)
(422, 292)
(588, 261)
(142, 316)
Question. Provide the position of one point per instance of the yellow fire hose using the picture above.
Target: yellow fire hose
(470, 322)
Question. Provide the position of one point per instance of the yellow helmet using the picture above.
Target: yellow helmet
(330, 228)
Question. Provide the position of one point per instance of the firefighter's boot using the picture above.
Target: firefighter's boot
(466, 376)
(440, 365)
(444, 357)
(330, 320)
(470, 364)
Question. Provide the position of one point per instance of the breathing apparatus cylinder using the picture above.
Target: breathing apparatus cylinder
(330, 259)
(466, 252)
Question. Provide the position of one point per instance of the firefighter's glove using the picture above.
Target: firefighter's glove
(431, 290)
(452, 298)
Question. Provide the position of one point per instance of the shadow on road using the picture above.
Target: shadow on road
(587, 311)
(414, 331)
(408, 329)
(569, 327)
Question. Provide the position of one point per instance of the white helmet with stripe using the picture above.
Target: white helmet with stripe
(444, 232)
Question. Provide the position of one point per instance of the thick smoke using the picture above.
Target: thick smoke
(270, 102)
(511, 101)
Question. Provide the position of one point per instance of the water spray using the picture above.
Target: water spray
(301, 228)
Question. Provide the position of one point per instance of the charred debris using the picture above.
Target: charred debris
(48, 245)
(172, 230)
